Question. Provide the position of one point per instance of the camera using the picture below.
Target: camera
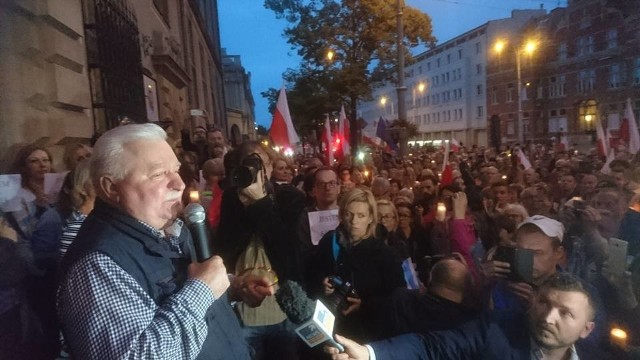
(520, 262)
(337, 302)
(247, 173)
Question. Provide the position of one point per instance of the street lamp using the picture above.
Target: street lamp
(528, 48)
(401, 89)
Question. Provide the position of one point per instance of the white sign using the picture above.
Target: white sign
(10, 186)
(53, 184)
(321, 222)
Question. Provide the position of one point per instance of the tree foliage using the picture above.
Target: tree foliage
(362, 36)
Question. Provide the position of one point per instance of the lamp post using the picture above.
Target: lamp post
(528, 48)
(401, 89)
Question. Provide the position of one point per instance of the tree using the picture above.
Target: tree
(262, 130)
(362, 36)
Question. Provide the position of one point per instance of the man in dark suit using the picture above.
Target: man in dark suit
(562, 313)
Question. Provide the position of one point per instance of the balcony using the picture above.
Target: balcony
(167, 59)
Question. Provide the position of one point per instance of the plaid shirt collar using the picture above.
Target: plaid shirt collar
(537, 354)
(170, 234)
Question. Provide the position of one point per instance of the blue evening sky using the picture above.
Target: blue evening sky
(253, 32)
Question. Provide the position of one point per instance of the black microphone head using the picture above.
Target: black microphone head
(294, 302)
(194, 213)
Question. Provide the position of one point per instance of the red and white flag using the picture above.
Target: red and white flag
(282, 132)
(455, 145)
(446, 178)
(629, 129)
(327, 141)
(523, 159)
(564, 142)
(345, 133)
(603, 140)
(606, 168)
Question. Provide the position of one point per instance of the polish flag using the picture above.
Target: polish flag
(282, 132)
(327, 141)
(603, 140)
(564, 142)
(606, 168)
(345, 134)
(446, 178)
(523, 159)
(629, 129)
(455, 145)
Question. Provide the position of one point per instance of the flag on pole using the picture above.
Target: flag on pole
(382, 133)
(606, 168)
(564, 141)
(446, 178)
(603, 141)
(524, 161)
(328, 141)
(629, 129)
(345, 133)
(454, 145)
(282, 132)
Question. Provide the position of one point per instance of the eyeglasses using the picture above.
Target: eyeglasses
(326, 185)
(406, 216)
(387, 217)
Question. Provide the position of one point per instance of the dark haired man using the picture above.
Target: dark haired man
(562, 313)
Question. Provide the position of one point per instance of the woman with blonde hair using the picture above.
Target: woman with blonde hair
(352, 254)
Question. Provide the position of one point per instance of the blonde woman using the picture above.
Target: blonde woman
(354, 255)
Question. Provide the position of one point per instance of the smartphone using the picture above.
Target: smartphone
(617, 256)
(520, 262)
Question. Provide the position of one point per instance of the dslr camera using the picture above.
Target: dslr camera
(247, 173)
(337, 302)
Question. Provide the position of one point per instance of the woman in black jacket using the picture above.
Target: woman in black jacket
(359, 260)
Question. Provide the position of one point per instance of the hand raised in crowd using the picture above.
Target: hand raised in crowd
(523, 291)
(253, 192)
(459, 201)
(352, 350)
(493, 269)
(251, 289)
(213, 273)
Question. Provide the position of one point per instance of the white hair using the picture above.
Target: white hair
(107, 157)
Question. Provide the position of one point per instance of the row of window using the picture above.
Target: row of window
(586, 45)
(448, 58)
(437, 117)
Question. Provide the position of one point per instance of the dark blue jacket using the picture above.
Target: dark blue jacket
(159, 270)
(498, 336)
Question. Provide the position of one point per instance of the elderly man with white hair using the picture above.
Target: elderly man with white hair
(129, 289)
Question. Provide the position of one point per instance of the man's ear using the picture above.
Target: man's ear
(587, 329)
(109, 188)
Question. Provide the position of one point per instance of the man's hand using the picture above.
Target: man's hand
(495, 269)
(6, 231)
(523, 291)
(352, 350)
(328, 288)
(213, 273)
(251, 289)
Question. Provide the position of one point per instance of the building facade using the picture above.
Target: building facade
(586, 66)
(239, 100)
(446, 95)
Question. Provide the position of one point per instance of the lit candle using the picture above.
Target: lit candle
(194, 196)
(366, 173)
(504, 177)
(619, 337)
(441, 211)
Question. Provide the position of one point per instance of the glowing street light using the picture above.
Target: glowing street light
(529, 48)
(383, 101)
(330, 55)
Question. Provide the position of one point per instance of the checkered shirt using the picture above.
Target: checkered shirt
(106, 314)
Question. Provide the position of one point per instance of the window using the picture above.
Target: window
(459, 54)
(612, 38)
(163, 8)
(478, 69)
(480, 111)
(428, 119)
(448, 58)
(585, 45)
(478, 48)
(586, 81)
(494, 95)
(438, 62)
(478, 89)
(447, 76)
(556, 86)
(510, 90)
(562, 51)
(429, 66)
(616, 76)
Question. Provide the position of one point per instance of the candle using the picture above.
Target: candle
(194, 196)
(619, 337)
(441, 211)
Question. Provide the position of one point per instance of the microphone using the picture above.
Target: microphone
(195, 217)
(315, 320)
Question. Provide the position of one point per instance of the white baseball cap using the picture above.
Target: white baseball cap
(551, 228)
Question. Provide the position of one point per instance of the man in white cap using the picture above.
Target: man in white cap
(543, 236)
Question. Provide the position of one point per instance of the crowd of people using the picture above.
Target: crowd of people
(476, 240)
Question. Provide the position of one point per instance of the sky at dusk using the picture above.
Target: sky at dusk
(253, 32)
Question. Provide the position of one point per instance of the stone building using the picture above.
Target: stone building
(239, 100)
